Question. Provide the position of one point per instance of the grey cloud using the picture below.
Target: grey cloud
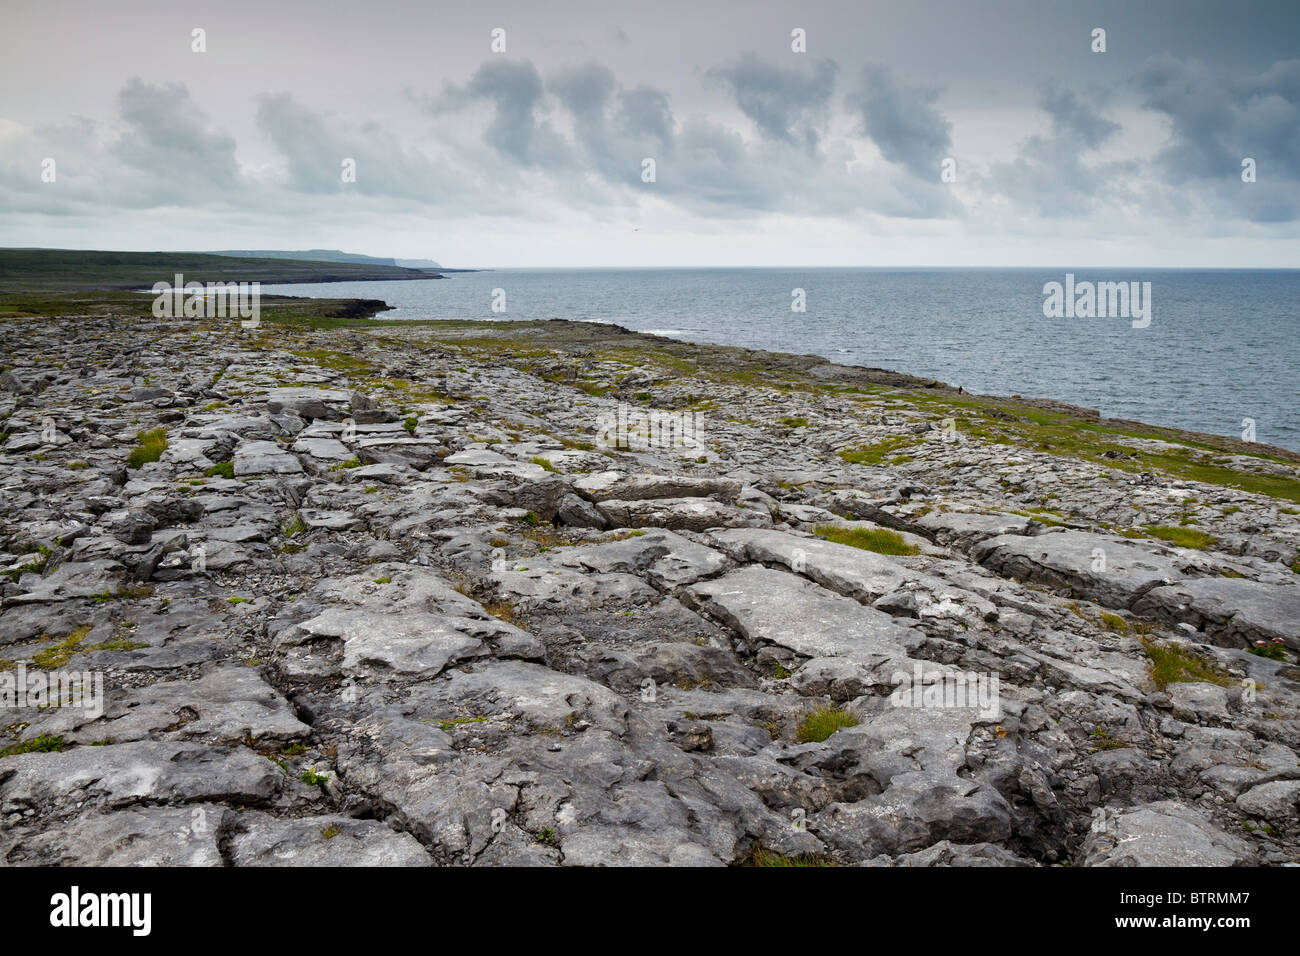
(166, 137)
(1216, 121)
(385, 167)
(708, 168)
(644, 113)
(313, 154)
(501, 145)
(514, 90)
(1075, 120)
(584, 89)
(902, 122)
(161, 152)
(787, 105)
(1050, 177)
(614, 145)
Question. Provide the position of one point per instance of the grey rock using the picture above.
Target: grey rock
(1165, 833)
(1198, 701)
(122, 774)
(1236, 608)
(1277, 801)
(579, 513)
(263, 840)
(690, 514)
(264, 458)
(131, 527)
(145, 836)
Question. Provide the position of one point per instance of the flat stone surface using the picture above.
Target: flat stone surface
(690, 514)
(1164, 834)
(780, 608)
(264, 840)
(666, 559)
(264, 458)
(607, 486)
(1234, 606)
(863, 575)
(147, 836)
(122, 774)
(1109, 570)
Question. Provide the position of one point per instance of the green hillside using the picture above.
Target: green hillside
(77, 270)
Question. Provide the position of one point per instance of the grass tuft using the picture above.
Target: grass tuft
(880, 540)
(1184, 537)
(45, 744)
(876, 454)
(770, 858)
(819, 724)
(1171, 664)
(150, 448)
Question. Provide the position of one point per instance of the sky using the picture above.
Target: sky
(628, 134)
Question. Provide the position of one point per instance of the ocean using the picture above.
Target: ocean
(1218, 348)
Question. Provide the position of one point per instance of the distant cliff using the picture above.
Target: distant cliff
(327, 255)
(69, 270)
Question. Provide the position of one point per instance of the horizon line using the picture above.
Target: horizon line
(699, 267)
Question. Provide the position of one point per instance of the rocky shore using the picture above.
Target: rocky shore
(554, 593)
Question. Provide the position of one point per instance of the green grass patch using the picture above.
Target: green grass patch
(1113, 622)
(880, 540)
(45, 743)
(34, 566)
(817, 725)
(338, 361)
(123, 594)
(1104, 741)
(1171, 664)
(448, 725)
(875, 454)
(1182, 536)
(151, 445)
(57, 656)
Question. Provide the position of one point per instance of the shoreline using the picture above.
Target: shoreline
(1079, 411)
(845, 375)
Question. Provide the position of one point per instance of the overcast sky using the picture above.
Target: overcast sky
(762, 156)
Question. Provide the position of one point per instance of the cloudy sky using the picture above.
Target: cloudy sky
(534, 156)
